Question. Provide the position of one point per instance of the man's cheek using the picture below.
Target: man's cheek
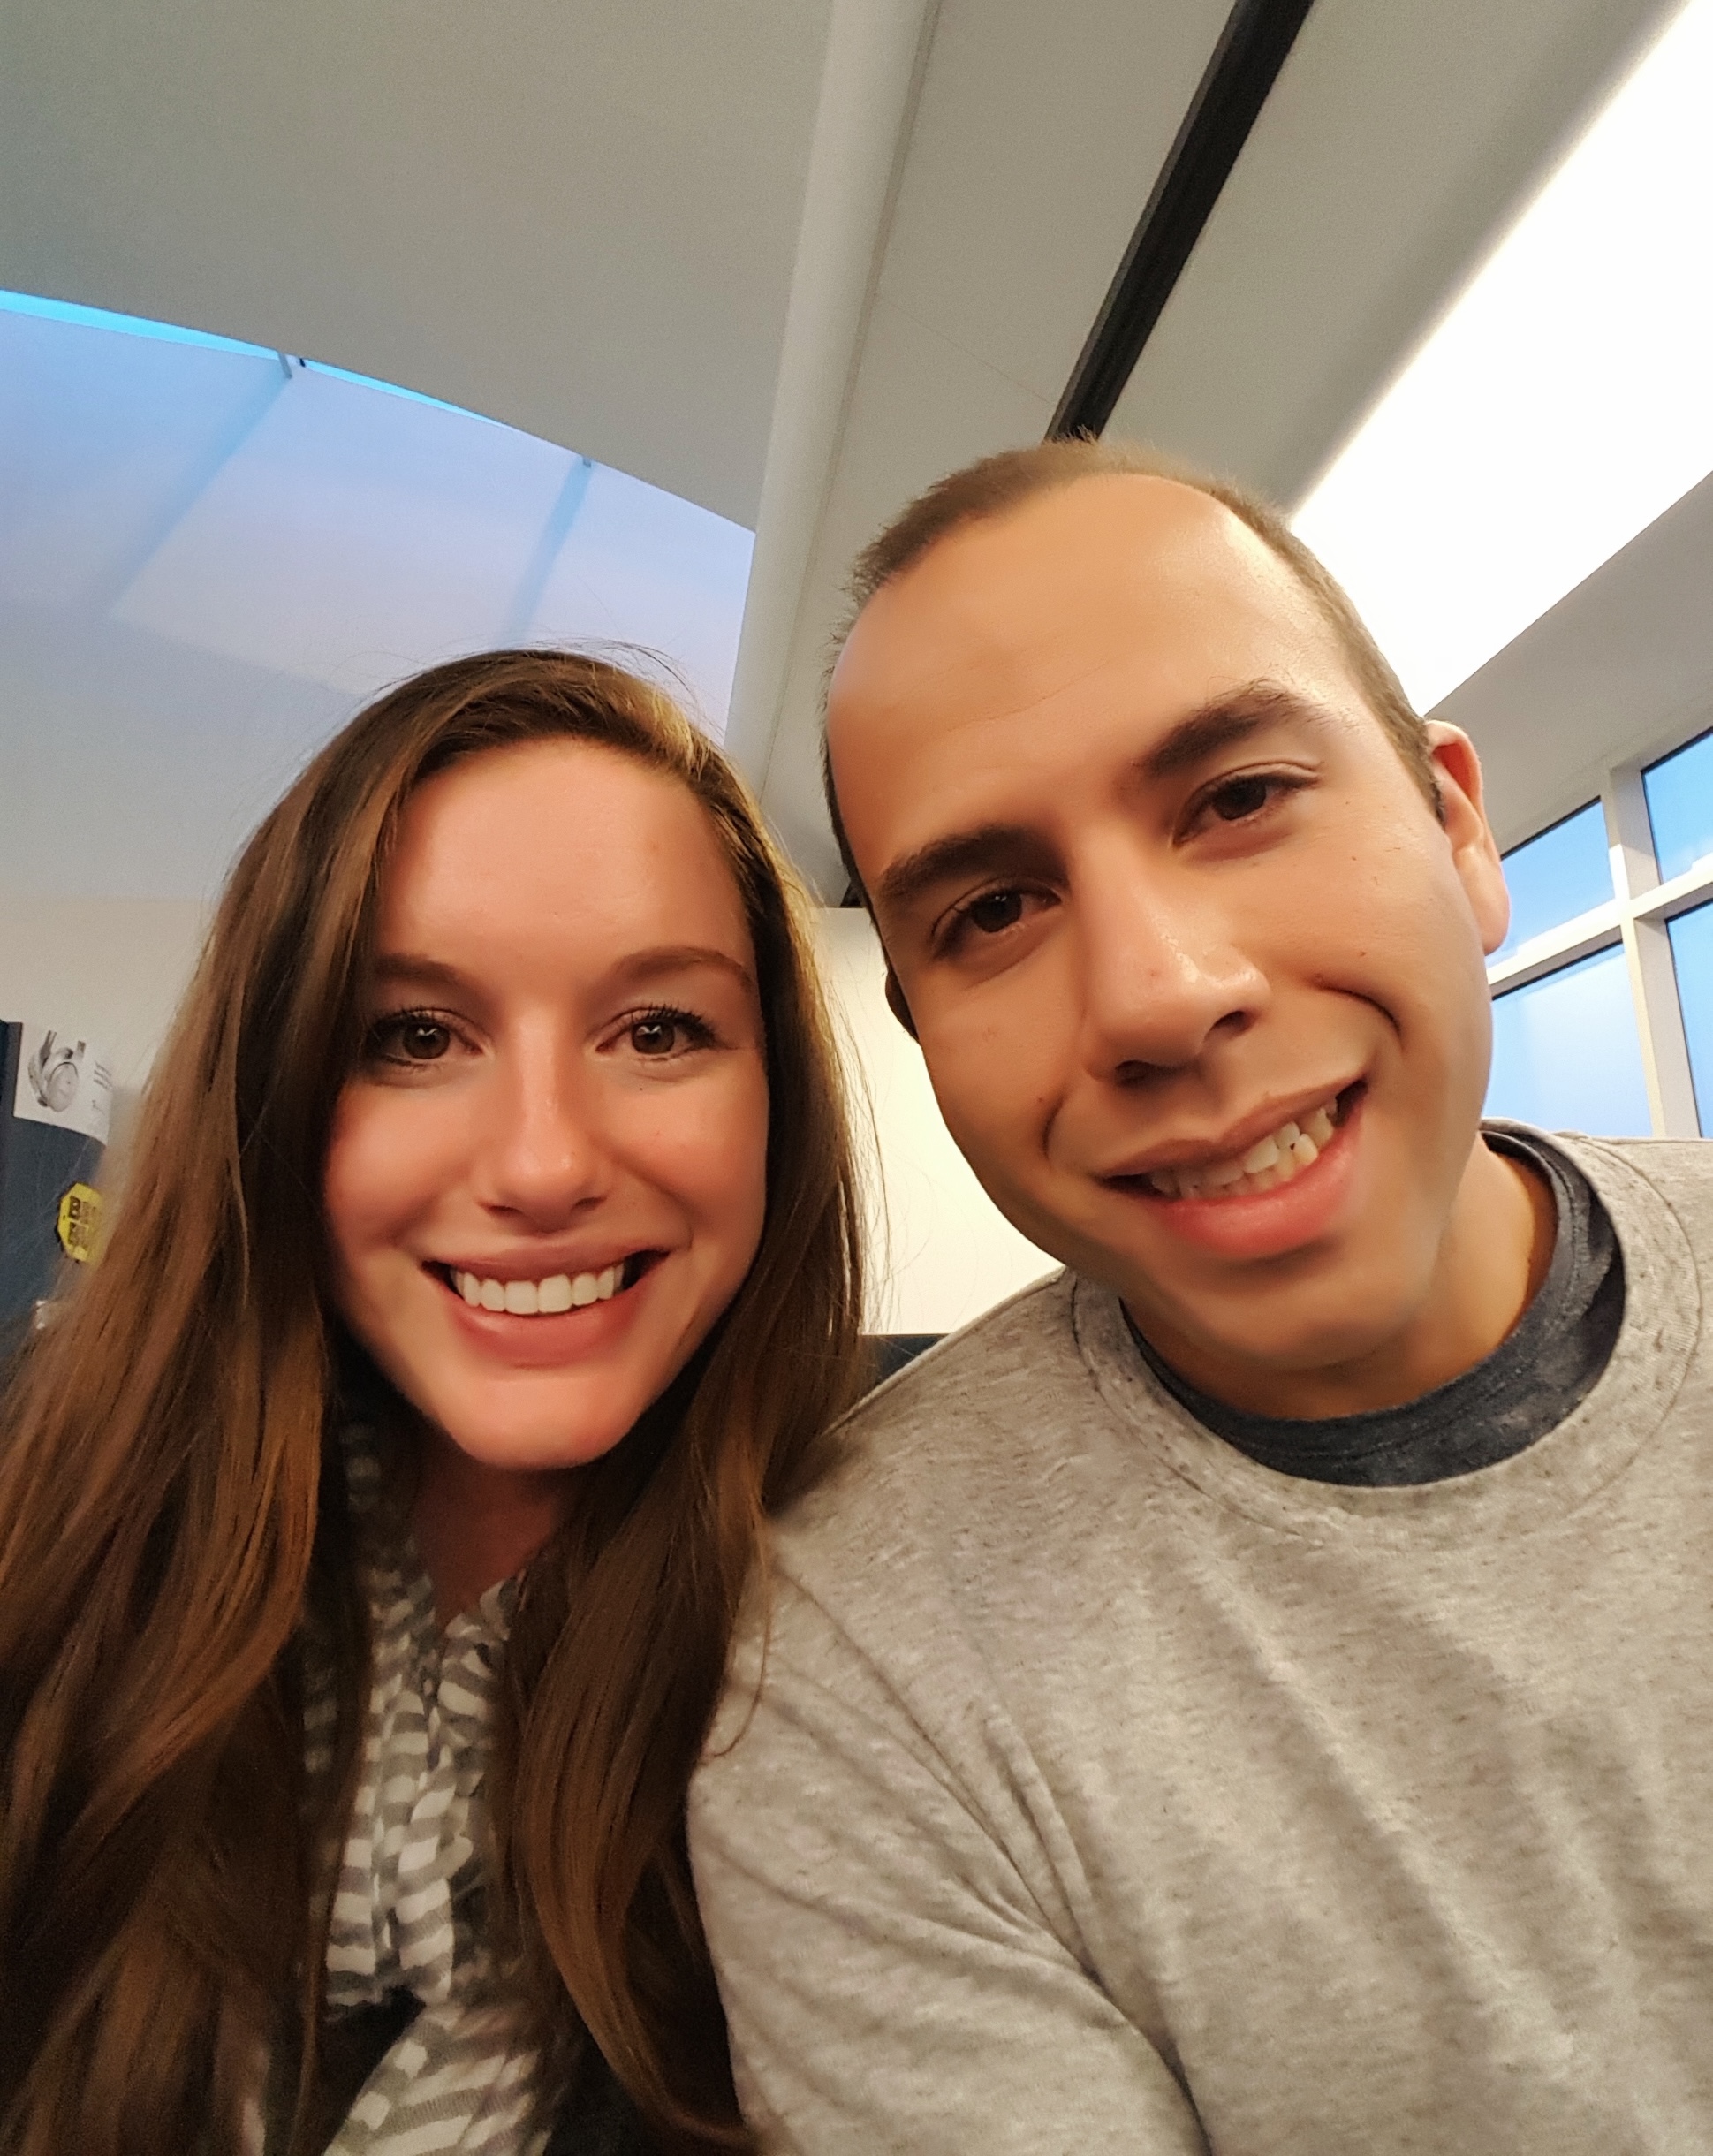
(997, 1120)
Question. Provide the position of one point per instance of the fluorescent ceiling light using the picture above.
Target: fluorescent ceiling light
(1563, 403)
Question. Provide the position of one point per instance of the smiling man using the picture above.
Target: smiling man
(1249, 1693)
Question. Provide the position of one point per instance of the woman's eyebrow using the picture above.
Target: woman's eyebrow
(414, 969)
(644, 966)
(411, 969)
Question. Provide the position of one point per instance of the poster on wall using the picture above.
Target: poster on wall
(64, 1082)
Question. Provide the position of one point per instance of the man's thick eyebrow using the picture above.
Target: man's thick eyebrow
(1228, 720)
(990, 849)
(1013, 848)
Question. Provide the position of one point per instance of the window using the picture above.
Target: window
(1603, 991)
(1566, 1054)
(1553, 878)
(1692, 962)
(1680, 792)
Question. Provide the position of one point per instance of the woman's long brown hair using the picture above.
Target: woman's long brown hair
(172, 1516)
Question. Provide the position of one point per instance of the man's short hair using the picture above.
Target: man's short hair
(996, 484)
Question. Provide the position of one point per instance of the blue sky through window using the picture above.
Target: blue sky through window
(1679, 791)
(1566, 1054)
(1554, 878)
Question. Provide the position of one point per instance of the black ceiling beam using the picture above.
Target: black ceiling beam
(1252, 48)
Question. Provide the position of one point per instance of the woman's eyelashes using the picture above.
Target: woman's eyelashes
(413, 1040)
(408, 1040)
(663, 1033)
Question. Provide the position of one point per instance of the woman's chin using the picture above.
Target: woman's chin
(524, 1427)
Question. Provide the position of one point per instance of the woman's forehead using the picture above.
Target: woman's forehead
(564, 832)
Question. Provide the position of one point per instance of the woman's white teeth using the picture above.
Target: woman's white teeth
(560, 1291)
(1283, 1153)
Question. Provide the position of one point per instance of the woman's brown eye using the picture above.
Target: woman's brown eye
(1238, 798)
(654, 1037)
(999, 909)
(422, 1041)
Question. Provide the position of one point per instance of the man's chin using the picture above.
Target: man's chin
(1288, 1360)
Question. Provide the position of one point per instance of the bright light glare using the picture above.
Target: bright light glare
(1562, 404)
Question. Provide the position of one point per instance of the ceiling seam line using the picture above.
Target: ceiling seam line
(1252, 48)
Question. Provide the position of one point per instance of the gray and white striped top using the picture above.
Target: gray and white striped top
(409, 1910)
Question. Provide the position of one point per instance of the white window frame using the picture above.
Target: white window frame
(1636, 918)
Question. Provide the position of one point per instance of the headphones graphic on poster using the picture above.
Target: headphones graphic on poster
(62, 1081)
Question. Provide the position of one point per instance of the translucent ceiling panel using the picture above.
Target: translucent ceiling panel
(1566, 1055)
(1557, 876)
(352, 538)
(1691, 953)
(209, 552)
(105, 439)
(643, 568)
(1680, 792)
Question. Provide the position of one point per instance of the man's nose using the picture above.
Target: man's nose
(543, 1152)
(1164, 974)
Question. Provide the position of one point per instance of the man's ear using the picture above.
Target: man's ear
(1474, 850)
(895, 1004)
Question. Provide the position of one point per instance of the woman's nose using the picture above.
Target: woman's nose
(542, 1154)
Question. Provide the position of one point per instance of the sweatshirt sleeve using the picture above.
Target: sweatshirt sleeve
(895, 1984)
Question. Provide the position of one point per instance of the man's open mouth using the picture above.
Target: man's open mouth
(1279, 1158)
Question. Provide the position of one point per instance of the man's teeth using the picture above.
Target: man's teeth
(560, 1291)
(1275, 1159)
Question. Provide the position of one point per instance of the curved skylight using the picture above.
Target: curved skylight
(210, 552)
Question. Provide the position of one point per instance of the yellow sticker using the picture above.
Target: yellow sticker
(80, 1222)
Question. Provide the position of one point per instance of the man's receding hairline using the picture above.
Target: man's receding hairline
(1251, 543)
(978, 519)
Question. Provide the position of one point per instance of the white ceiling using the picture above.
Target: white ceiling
(577, 216)
(793, 259)
(1621, 667)
(1034, 136)
(1397, 143)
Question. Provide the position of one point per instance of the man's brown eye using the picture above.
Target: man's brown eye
(999, 909)
(1239, 797)
(654, 1037)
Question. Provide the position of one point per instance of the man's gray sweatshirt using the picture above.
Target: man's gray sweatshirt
(1104, 1790)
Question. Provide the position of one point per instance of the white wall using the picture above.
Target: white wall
(940, 1252)
(111, 969)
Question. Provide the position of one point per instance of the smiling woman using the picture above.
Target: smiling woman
(375, 1520)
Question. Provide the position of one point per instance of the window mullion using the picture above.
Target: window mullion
(1648, 958)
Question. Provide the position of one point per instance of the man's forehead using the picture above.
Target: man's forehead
(1006, 612)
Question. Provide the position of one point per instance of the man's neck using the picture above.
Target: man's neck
(1495, 1252)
